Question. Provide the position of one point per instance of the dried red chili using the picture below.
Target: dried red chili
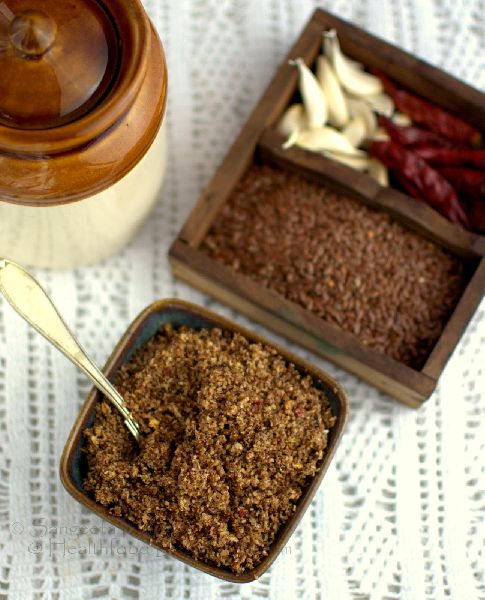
(408, 185)
(476, 214)
(432, 187)
(412, 135)
(434, 117)
(466, 181)
(452, 156)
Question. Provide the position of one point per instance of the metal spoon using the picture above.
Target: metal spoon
(32, 303)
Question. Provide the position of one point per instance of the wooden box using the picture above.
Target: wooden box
(258, 140)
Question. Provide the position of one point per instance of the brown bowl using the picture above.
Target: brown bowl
(177, 313)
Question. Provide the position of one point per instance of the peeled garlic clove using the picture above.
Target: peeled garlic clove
(338, 112)
(378, 171)
(312, 94)
(380, 135)
(360, 163)
(359, 83)
(310, 139)
(293, 120)
(402, 119)
(326, 139)
(355, 130)
(292, 139)
(355, 64)
(381, 104)
(359, 108)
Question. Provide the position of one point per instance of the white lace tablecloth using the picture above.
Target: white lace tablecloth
(401, 511)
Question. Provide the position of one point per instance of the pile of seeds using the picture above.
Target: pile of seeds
(351, 265)
(231, 435)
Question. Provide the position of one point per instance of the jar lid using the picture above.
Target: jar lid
(57, 61)
(68, 155)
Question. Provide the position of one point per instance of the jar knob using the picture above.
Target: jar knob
(32, 33)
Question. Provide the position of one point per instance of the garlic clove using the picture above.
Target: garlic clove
(355, 130)
(402, 119)
(292, 139)
(380, 135)
(379, 172)
(358, 107)
(338, 112)
(355, 64)
(312, 94)
(293, 120)
(326, 139)
(360, 163)
(359, 83)
(381, 104)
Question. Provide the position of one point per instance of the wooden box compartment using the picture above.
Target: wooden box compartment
(258, 141)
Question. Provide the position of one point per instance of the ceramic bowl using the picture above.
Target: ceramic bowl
(145, 326)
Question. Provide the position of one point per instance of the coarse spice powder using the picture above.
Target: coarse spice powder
(353, 266)
(231, 435)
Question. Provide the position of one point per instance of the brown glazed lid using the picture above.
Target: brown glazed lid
(82, 95)
(56, 63)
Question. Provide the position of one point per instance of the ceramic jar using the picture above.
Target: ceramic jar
(82, 151)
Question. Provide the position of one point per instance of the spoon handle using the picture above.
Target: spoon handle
(32, 303)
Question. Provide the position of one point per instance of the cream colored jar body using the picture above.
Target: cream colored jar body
(88, 230)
